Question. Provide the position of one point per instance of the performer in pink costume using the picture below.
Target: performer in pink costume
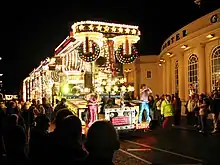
(93, 109)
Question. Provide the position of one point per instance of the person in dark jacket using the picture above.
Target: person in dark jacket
(38, 139)
(67, 142)
(3, 116)
(12, 108)
(15, 141)
(215, 110)
(60, 105)
(177, 110)
(101, 143)
(28, 115)
(47, 107)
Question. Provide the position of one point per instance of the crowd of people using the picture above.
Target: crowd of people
(26, 139)
(198, 107)
(26, 136)
(167, 109)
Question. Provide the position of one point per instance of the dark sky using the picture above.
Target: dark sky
(33, 30)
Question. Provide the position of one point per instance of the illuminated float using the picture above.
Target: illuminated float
(91, 60)
(40, 82)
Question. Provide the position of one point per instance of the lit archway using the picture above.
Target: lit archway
(193, 73)
(215, 68)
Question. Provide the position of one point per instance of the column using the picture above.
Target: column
(181, 76)
(200, 52)
(137, 77)
(168, 77)
(164, 78)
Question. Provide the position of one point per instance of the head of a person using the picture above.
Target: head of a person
(196, 96)
(157, 97)
(26, 106)
(44, 100)
(168, 97)
(151, 98)
(12, 120)
(34, 102)
(201, 96)
(60, 116)
(143, 86)
(38, 102)
(63, 101)
(71, 129)
(41, 110)
(215, 94)
(176, 95)
(102, 139)
(2, 105)
(42, 122)
(12, 104)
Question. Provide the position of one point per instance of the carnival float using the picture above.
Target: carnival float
(87, 69)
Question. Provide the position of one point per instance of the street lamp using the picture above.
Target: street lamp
(0, 58)
(1, 74)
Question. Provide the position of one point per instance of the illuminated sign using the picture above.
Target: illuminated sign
(177, 37)
(10, 97)
(121, 120)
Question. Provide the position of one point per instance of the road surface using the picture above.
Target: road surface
(174, 147)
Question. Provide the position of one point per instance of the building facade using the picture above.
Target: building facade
(189, 60)
(145, 70)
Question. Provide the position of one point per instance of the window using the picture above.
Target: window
(193, 73)
(215, 67)
(172, 39)
(177, 37)
(149, 74)
(176, 77)
(185, 33)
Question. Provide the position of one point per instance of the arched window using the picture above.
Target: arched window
(215, 67)
(176, 77)
(193, 73)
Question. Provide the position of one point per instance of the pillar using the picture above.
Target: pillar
(200, 52)
(164, 78)
(137, 77)
(168, 77)
(181, 76)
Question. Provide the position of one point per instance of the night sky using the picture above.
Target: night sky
(33, 30)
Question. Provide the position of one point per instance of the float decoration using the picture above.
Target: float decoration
(104, 27)
(91, 55)
(126, 58)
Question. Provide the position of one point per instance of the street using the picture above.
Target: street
(176, 146)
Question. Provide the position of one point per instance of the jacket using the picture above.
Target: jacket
(167, 108)
(215, 105)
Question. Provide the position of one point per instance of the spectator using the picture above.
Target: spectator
(38, 139)
(15, 141)
(102, 142)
